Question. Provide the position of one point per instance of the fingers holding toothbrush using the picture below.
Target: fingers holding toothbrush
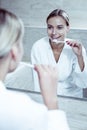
(76, 47)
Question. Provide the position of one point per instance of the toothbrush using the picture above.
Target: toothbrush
(56, 41)
(29, 65)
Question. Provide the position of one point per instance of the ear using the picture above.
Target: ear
(14, 58)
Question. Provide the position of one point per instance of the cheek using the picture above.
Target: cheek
(63, 32)
(49, 32)
(66, 30)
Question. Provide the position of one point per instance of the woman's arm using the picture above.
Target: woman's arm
(79, 51)
(48, 78)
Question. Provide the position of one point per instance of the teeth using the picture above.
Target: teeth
(55, 40)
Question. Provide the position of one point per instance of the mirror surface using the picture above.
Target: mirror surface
(34, 17)
(22, 78)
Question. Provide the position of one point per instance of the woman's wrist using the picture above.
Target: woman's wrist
(52, 103)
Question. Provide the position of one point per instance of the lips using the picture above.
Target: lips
(56, 38)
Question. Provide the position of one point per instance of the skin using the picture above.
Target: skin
(49, 91)
(57, 29)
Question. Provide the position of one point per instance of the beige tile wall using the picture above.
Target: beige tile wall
(34, 12)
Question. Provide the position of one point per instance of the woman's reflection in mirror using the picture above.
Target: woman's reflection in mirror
(67, 54)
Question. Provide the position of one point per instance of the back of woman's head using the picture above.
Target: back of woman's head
(11, 31)
(61, 13)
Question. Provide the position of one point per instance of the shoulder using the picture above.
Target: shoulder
(22, 100)
(24, 107)
(40, 43)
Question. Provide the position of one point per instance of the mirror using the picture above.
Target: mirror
(34, 17)
(26, 80)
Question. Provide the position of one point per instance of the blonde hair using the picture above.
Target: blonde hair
(11, 31)
(61, 13)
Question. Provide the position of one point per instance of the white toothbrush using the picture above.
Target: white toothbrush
(28, 64)
(56, 41)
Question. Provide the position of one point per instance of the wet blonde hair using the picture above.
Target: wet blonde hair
(11, 31)
(61, 13)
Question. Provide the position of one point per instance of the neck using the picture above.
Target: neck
(4, 67)
(57, 46)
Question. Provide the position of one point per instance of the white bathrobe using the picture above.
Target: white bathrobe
(71, 79)
(19, 112)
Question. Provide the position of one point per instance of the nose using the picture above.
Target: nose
(54, 31)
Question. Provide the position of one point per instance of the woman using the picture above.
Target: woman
(17, 110)
(67, 54)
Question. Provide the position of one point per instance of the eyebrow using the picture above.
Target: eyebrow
(57, 25)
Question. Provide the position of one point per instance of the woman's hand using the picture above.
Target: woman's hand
(76, 47)
(48, 79)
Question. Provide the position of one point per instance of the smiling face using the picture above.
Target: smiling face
(57, 28)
